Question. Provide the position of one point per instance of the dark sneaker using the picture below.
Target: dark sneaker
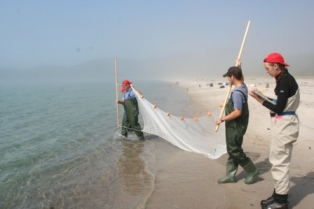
(276, 205)
(268, 201)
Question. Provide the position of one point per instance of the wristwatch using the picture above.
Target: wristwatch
(222, 120)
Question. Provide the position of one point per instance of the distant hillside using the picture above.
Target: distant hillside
(185, 65)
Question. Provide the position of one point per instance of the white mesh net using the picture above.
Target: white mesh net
(190, 134)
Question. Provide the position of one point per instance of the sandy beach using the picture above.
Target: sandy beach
(187, 180)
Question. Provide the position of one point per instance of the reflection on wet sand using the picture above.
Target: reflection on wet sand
(135, 180)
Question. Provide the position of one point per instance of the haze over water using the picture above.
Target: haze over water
(152, 38)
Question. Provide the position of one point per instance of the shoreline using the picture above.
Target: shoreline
(189, 180)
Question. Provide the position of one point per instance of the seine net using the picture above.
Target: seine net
(190, 134)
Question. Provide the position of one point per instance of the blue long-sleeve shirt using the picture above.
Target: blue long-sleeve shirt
(129, 94)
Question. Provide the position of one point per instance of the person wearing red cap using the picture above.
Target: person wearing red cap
(131, 111)
(125, 121)
(284, 127)
(237, 119)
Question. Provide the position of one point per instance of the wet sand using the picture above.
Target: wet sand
(189, 180)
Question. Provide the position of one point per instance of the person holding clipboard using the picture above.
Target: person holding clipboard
(284, 127)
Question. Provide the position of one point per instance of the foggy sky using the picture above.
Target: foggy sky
(164, 39)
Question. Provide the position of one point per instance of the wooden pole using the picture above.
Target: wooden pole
(237, 64)
(117, 91)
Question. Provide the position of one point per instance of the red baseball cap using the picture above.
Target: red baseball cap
(126, 82)
(275, 58)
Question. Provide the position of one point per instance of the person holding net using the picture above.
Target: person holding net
(236, 119)
(131, 111)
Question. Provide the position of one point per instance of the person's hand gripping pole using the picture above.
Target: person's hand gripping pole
(238, 63)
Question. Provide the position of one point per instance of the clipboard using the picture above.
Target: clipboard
(264, 97)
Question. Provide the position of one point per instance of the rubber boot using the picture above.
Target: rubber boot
(252, 171)
(141, 137)
(232, 169)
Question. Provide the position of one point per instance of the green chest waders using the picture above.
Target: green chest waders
(130, 118)
(235, 129)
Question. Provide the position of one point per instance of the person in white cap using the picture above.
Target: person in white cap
(284, 127)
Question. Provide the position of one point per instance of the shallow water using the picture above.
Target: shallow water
(60, 147)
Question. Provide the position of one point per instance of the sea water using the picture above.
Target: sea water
(60, 146)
